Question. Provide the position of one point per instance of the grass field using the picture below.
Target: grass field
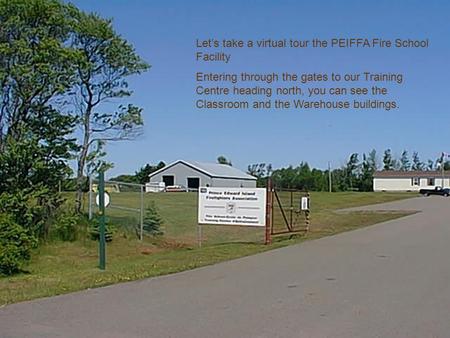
(60, 267)
(179, 211)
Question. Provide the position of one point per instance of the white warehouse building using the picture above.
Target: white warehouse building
(409, 180)
(192, 175)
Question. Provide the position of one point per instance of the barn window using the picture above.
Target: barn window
(169, 180)
(430, 181)
(415, 181)
(193, 183)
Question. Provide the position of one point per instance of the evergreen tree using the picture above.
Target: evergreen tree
(141, 176)
(152, 220)
(417, 164)
(405, 164)
(388, 161)
(369, 166)
(352, 170)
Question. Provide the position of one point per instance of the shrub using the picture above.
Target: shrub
(95, 232)
(15, 245)
(152, 220)
(32, 209)
(65, 225)
(21, 208)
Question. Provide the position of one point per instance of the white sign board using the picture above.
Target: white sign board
(305, 203)
(107, 199)
(232, 206)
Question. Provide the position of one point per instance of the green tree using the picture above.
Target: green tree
(352, 170)
(152, 220)
(36, 70)
(368, 168)
(372, 159)
(261, 171)
(405, 164)
(15, 245)
(223, 160)
(388, 161)
(106, 62)
(143, 173)
(340, 181)
(124, 178)
(442, 163)
(304, 179)
(285, 177)
(417, 164)
(319, 180)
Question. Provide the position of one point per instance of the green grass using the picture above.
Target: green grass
(58, 267)
(179, 210)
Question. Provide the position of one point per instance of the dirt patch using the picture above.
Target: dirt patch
(172, 244)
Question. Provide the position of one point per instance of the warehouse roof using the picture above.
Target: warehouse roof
(408, 174)
(211, 169)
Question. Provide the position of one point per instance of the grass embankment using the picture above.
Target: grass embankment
(58, 267)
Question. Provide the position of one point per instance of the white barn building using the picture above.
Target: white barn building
(192, 175)
(409, 180)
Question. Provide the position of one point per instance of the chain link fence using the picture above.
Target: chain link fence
(126, 208)
(129, 203)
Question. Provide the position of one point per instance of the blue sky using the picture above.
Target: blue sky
(164, 34)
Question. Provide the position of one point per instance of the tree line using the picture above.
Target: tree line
(141, 175)
(355, 175)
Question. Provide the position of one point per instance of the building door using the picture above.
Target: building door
(193, 182)
(168, 180)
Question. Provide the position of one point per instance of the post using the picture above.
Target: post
(268, 237)
(141, 236)
(291, 209)
(90, 197)
(199, 235)
(307, 219)
(199, 226)
(329, 176)
(101, 228)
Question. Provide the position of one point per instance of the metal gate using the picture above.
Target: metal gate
(286, 214)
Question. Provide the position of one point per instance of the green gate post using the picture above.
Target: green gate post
(101, 205)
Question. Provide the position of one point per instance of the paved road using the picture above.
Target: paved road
(388, 280)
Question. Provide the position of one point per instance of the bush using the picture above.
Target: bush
(21, 208)
(64, 227)
(152, 220)
(15, 245)
(95, 232)
(32, 209)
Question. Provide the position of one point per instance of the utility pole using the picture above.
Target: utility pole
(329, 176)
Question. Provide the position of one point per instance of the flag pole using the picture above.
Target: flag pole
(442, 168)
